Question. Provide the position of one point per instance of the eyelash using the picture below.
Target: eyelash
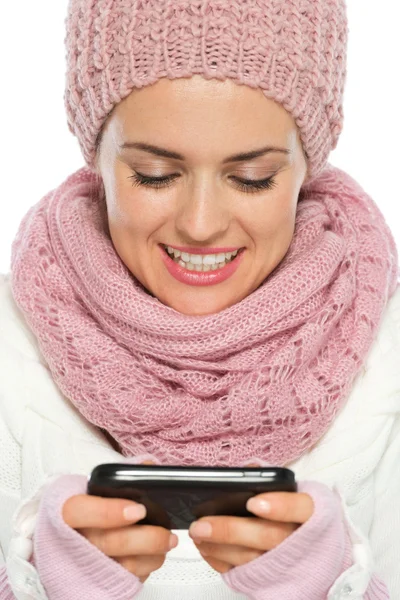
(245, 185)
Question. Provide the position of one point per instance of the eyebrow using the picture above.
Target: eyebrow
(235, 158)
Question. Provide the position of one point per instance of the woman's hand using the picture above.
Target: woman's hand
(141, 549)
(227, 542)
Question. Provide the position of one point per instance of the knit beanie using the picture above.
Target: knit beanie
(294, 50)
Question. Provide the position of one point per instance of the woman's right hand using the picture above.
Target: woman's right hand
(140, 549)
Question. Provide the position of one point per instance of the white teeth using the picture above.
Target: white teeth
(191, 267)
(209, 259)
(196, 259)
(201, 262)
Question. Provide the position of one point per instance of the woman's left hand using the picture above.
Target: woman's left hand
(227, 542)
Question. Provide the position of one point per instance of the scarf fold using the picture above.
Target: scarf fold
(264, 377)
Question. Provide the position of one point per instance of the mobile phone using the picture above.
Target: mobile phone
(175, 496)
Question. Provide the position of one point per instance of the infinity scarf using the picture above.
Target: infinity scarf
(263, 378)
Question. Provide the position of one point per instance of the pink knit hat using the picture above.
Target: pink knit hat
(294, 50)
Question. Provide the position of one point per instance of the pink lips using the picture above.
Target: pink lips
(197, 277)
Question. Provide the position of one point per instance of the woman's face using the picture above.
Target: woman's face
(207, 202)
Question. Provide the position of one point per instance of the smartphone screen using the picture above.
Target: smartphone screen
(177, 496)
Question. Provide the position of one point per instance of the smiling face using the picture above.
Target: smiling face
(206, 200)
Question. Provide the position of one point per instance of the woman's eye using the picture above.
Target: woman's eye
(156, 182)
(245, 185)
(254, 185)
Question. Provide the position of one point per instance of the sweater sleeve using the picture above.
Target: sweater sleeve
(324, 559)
(70, 567)
(5, 590)
(48, 560)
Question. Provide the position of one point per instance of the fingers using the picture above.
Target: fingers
(241, 531)
(231, 555)
(218, 565)
(137, 540)
(287, 507)
(141, 566)
(91, 511)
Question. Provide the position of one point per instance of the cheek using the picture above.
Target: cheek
(135, 212)
(276, 218)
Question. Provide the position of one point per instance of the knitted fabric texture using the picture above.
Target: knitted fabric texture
(264, 377)
(293, 50)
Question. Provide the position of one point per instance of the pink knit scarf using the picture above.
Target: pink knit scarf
(263, 378)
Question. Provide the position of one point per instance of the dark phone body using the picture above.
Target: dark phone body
(176, 496)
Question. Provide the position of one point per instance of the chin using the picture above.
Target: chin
(198, 307)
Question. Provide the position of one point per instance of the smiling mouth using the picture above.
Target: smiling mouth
(199, 262)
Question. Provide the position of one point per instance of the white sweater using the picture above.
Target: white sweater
(42, 435)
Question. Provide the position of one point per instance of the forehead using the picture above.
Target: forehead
(196, 100)
(201, 119)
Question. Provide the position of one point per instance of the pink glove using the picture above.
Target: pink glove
(308, 562)
(69, 566)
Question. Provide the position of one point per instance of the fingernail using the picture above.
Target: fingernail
(259, 506)
(135, 512)
(173, 541)
(201, 529)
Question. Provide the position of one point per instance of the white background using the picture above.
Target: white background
(39, 152)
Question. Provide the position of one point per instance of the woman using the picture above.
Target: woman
(206, 290)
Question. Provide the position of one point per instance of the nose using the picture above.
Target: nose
(203, 215)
